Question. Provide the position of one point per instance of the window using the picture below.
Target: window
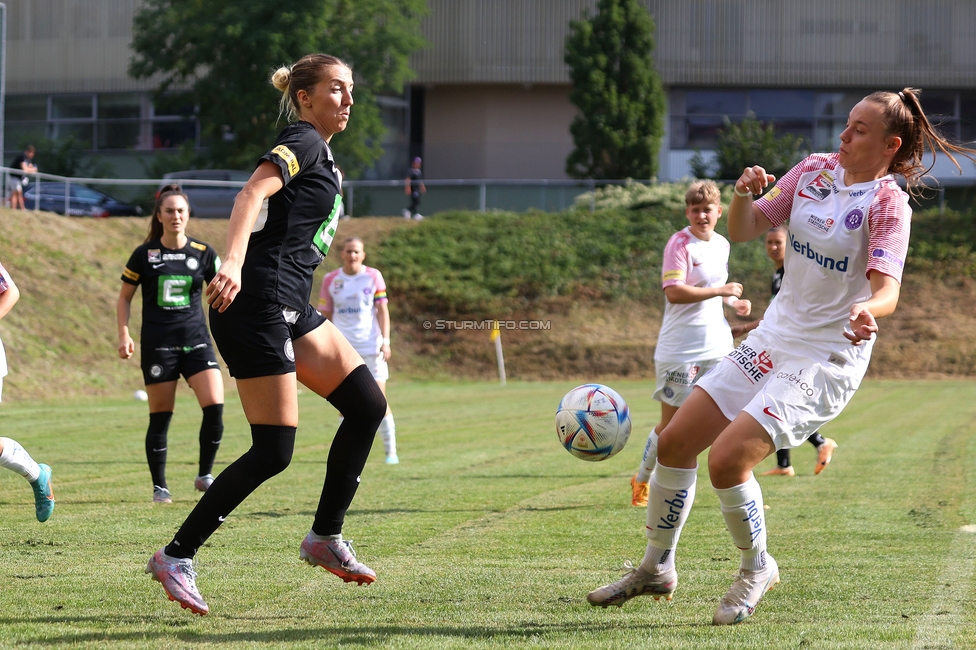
(697, 116)
(100, 122)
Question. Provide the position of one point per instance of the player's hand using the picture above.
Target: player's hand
(733, 289)
(742, 307)
(224, 287)
(387, 352)
(754, 180)
(862, 325)
(127, 348)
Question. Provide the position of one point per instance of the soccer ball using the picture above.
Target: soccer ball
(593, 422)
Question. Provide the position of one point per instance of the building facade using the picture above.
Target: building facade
(491, 95)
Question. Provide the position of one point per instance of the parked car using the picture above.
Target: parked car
(209, 201)
(83, 202)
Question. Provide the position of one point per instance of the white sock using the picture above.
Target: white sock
(14, 457)
(742, 507)
(649, 459)
(387, 431)
(670, 499)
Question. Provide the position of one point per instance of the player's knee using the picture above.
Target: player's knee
(359, 397)
(272, 446)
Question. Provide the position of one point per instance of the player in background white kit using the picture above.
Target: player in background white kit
(694, 333)
(847, 244)
(12, 455)
(354, 298)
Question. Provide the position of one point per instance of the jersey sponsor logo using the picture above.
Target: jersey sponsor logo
(888, 255)
(159, 266)
(174, 256)
(129, 273)
(828, 263)
(754, 364)
(349, 310)
(326, 232)
(155, 255)
(820, 188)
(673, 275)
(174, 291)
(288, 158)
(823, 225)
(854, 219)
(192, 263)
(198, 246)
(858, 193)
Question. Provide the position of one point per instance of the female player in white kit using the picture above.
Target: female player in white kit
(694, 334)
(848, 238)
(354, 298)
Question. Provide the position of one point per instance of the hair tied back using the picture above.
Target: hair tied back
(281, 78)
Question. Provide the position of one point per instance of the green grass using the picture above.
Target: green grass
(488, 534)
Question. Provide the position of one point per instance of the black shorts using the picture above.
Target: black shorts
(255, 336)
(167, 364)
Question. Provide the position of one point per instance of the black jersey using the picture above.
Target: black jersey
(172, 281)
(295, 229)
(416, 178)
(777, 280)
(16, 164)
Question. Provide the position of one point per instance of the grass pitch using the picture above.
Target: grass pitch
(489, 535)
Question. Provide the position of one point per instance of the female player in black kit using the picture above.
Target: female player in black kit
(172, 269)
(281, 227)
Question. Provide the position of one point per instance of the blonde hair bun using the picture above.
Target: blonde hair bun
(281, 78)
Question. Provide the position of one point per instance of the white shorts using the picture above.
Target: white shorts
(791, 388)
(675, 379)
(378, 366)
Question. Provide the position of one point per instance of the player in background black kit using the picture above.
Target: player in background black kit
(413, 186)
(776, 251)
(282, 224)
(172, 269)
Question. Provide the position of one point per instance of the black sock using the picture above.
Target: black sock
(361, 401)
(816, 439)
(156, 445)
(211, 433)
(270, 453)
(783, 457)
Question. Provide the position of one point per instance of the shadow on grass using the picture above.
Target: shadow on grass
(373, 636)
(365, 512)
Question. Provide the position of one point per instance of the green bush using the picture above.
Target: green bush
(494, 263)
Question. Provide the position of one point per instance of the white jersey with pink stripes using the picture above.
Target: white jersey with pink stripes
(697, 330)
(352, 299)
(837, 233)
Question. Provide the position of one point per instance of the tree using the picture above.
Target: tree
(618, 130)
(747, 143)
(226, 50)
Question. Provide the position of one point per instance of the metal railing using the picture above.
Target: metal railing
(384, 198)
(517, 195)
